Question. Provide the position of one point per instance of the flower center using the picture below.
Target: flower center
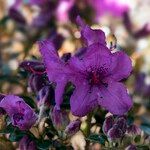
(17, 117)
(95, 76)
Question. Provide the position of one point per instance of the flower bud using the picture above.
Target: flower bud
(17, 16)
(108, 123)
(115, 132)
(35, 67)
(73, 127)
(133, 130)
(26, 143)
(36, 82)
(131, 147)
(121, 122)
(59, 118)
(45, 96)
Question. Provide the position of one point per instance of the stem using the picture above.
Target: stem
(88, 128)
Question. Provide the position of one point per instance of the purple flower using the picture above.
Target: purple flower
(27, 143)
(20, 113)
(96, 75)
(73, 127)
(59, 118)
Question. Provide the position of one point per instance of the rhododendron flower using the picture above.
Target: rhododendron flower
(21, 114)
(96, 74)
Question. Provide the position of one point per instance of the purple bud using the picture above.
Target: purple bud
(121, 122)
(59, 118)
(115, 132)
(57, 40)
(2, 111)
(36, 82)
(133, 130)
(131, 147)
(17, 16)
(108, 123)
(35, 67)
(73, 127)
(27, 143)
(45, 96)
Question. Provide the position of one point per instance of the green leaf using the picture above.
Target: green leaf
(44, 145)
(16, 135)
(8, 129)
(29, 101)
(97, 138)
(137, 138)
(142, 147)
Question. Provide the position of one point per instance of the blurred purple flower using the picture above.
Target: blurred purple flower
(73, 127)
(96, 75)
(46, 13)
(27, 143)
(59, 118)
(112, 7)
(114, 128)
(17, 16)
(141, 87)
(62, 10)
(20, 113)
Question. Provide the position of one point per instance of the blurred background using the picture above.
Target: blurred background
(126, 24)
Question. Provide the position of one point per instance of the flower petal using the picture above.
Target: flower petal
(91, 36)
(83, 99)
(121, 66)
(54, 65)
(115, 98)
(56, 69)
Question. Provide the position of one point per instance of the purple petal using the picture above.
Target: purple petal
(121, 66)
(115, 98)
(73, 127)
(115, 133)
(83, 99)
(20, 113)
(59, 118)
(91, 36)
(108, 123)
(55, 69)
